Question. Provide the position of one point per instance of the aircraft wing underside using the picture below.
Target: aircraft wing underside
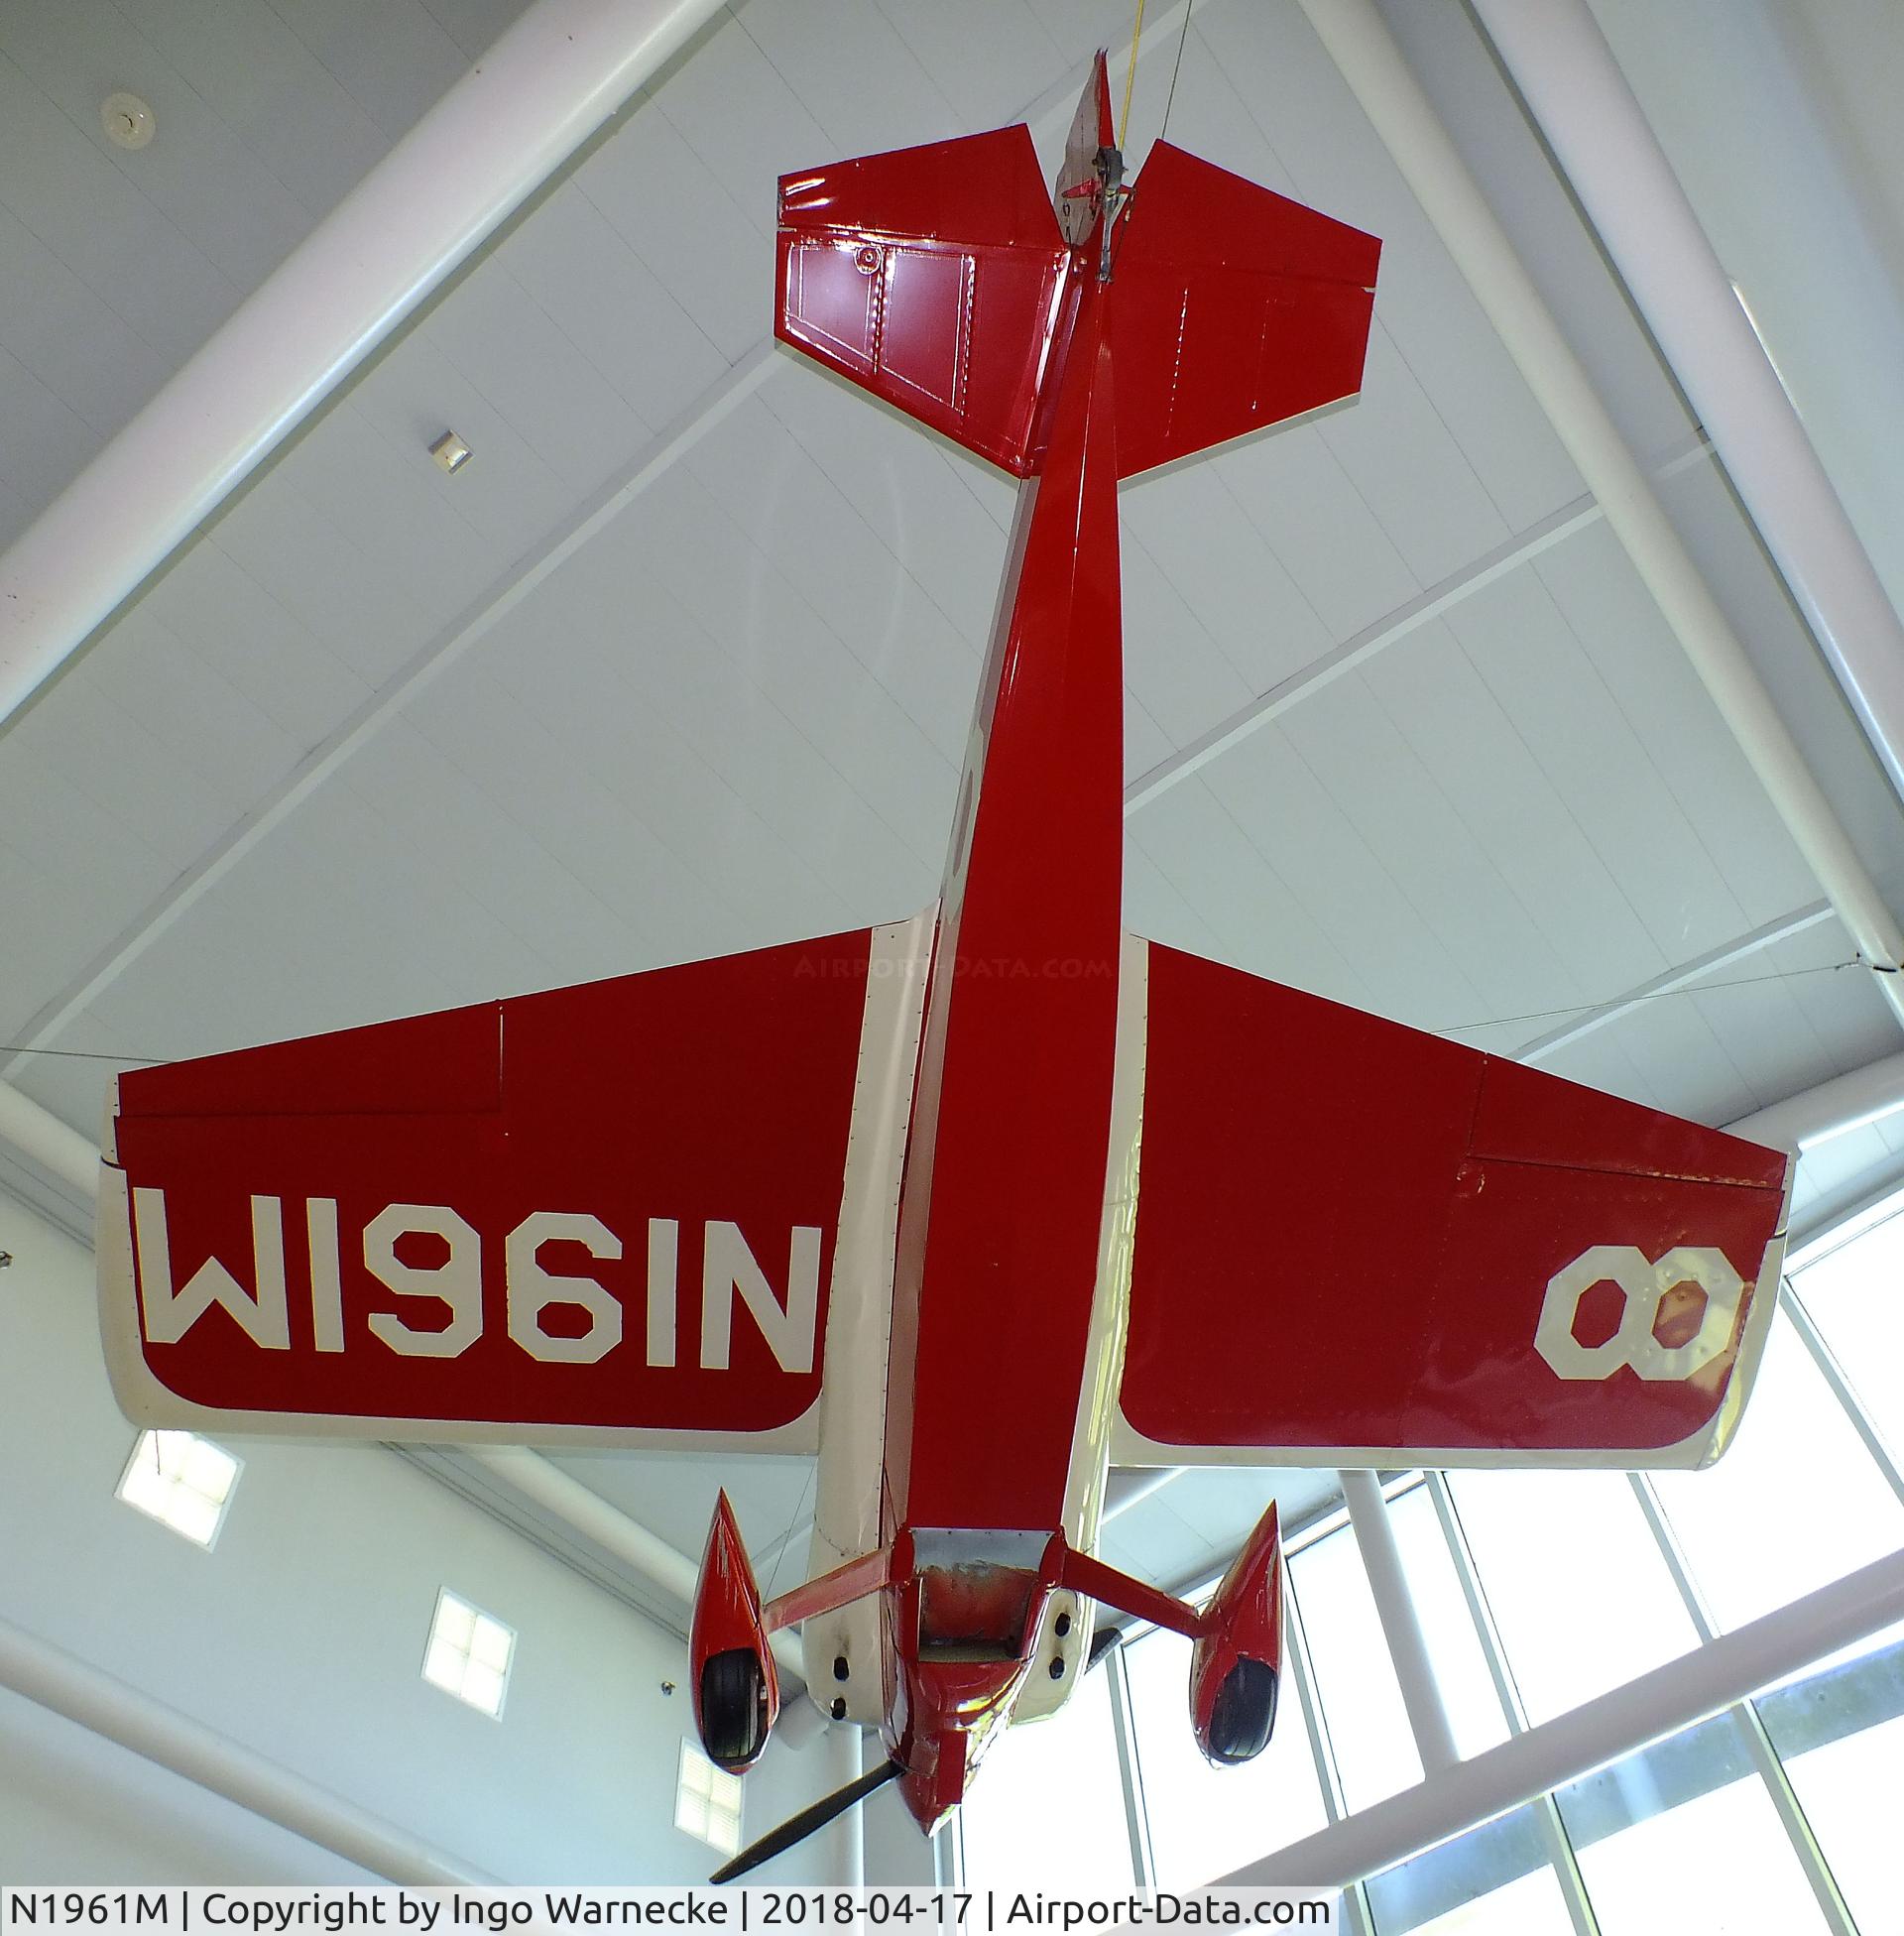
(1358, 1245)
(603, 1213)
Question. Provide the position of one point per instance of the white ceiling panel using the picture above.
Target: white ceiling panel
(1189, 521)
(1539, 673)
(974, 54)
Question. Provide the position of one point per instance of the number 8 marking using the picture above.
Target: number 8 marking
(1642, 1285)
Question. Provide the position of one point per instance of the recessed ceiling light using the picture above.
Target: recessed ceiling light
(451, 450)
(127, 120)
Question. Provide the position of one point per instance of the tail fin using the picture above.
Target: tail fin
(1235, 309)
(928, 276)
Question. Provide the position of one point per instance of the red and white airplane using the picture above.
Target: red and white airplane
(978, 1204)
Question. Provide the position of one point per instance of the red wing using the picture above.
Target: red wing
(1235, 308)
(602, 1210)
(1356, 1244)
(928, 276)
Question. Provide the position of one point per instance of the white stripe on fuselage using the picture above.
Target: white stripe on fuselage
(847, 1513)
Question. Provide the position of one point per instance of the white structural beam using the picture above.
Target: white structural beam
(1848, 1102)
(1683, 979)
(43, 1138)
(1362, 47)
(672, 1574)
(545, 85)
(1660, 1702)
(473, 624)
(1570, 81)
(1375, 638)
(55, 1680)
(1400, 1623)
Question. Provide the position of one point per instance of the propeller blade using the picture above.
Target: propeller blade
(1103, 1643)
(796, 1828)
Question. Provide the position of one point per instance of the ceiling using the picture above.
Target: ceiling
(683, 660)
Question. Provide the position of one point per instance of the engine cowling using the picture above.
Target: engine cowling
(1235, 1667)
(737, 1693)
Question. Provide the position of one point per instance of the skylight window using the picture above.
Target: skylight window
(182, 1481)
(469, 1654)
(707, 1801)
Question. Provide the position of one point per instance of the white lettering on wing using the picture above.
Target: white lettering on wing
(730, 1276)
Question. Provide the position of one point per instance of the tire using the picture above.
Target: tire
(1245, 1712)
(733, 1708)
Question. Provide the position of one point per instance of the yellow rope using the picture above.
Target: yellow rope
(1130, 78)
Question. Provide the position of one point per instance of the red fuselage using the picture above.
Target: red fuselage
(1003, 1200)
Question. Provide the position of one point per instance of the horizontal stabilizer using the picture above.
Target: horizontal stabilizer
(928, 277)
(1361, 1244)
(1235, 309)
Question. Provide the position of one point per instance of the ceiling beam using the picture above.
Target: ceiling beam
(1573, 87)
(1359, 39)
(584, 1510)
(1355, 652)
(1682, 980)
(84, 1695)
(477, 619)
(549, 82)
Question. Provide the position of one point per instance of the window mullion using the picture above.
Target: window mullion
(1357, 1915)
(1832, 1374)
(1771, 1770)
(1137, 1818)
(1553, 1830)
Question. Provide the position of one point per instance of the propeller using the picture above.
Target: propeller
(1103, 1643)
(796, 1828)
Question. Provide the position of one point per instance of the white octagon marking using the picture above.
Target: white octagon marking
(1642, 1285)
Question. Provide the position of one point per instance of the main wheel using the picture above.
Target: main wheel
(1245, 1712)
(733, 1707)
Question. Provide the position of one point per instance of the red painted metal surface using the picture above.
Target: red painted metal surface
(929, 277)
(1243, 1622)
(1235, 309)
(715, 1094)
(1002, 1207)
(1347, 1232)
(948, 1699)
(729, 1621)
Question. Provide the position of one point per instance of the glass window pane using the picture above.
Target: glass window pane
(1207, 1821)
(1851, 1297)
(1840, 1733)
(1454, 1647)
(1574, 1579)
(1797, 1500)
(1684, 1836)
(1367, 1724)
(1047, 1803)
(1495, 1881)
